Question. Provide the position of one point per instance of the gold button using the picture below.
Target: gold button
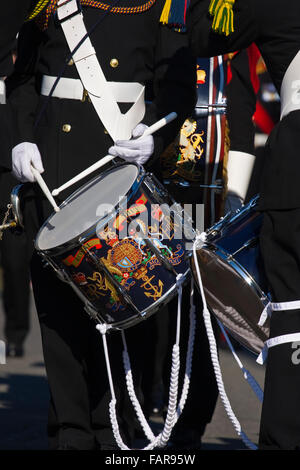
(114, 63)
(105, 131)
(71, 62)
(66, 127)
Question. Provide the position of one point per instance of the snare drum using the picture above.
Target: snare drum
(233, 275)
(118, 244)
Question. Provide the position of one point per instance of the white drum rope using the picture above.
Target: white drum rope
(189, 355)
(214, 352)
(131, 392)
(173, 412)
(173, 391)
(171, 418)
(102, 328)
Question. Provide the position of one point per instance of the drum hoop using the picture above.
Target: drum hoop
(73, 242)
(15, 197)
(229, 218)
(149, 311)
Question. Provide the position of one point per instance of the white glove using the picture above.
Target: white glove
(23, 155)
(239, 171)
(134, 150)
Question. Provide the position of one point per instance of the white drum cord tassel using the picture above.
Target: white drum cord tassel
(103, 328)
(162, 439)
(214, 352)
(173, 412)
(189, 355)
(173, 390)
(131, 392)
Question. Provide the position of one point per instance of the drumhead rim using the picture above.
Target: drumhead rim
(230, 218)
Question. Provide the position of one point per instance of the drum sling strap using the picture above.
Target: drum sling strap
(283, 339)
(117, 124)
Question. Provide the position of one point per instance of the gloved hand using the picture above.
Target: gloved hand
(239, 171)
(23, 155)
(134, 150)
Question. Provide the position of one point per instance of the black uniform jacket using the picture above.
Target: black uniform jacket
(146, 51)
(12, 16)
(240, 118)
(275, 27)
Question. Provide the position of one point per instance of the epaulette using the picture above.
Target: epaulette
(222, 12)
(174, 13)
(41, 4)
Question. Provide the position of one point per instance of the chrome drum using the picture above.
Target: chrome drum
(233, 276)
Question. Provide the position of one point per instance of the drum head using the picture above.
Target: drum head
(233, 298)
(85, 207)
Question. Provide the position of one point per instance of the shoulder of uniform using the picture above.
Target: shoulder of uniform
(174, 13)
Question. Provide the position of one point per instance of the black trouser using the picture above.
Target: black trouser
(16, 288)
(76, 370)
(280, 245)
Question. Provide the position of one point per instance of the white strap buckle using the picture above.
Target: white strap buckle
(270, 343)
(267, 312)
(277, 307)
(73, 11)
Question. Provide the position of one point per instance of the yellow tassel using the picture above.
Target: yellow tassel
(38, 8)
(214, 5)
(166, 12)
(222, 12)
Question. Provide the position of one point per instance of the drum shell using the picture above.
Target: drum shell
(233, 276)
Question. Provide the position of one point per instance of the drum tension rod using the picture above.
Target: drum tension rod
(249, 244)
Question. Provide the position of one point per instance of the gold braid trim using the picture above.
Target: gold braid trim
(37, 10)
(44, 20)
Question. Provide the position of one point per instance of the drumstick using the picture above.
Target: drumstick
(150, 130)
(44, 188)
(83, 174)
(159, 124)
